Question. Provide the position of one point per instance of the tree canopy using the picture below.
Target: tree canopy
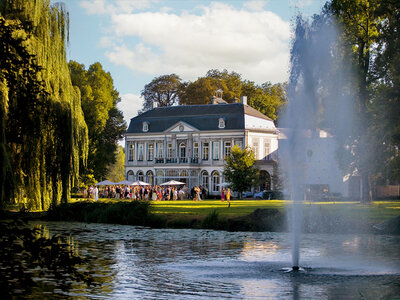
(371, 29)
(168, 90)
(43, 138)
(239, 169)
(164, 90)
(105, 122)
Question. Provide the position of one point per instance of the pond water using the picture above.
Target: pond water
(143, 263)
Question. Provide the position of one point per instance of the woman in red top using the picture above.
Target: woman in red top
(223, 194)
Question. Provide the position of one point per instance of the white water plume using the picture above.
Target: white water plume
(318, 118)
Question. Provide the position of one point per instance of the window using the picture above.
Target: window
(145, 126)
(215, 150)
(182, 150)
(215, 181)
(227, 149)
(267, 149)
(205, 151)
(140, 151)
(204, 178)
(255, 149)
(140, 176)
(221, 123)
(196, 150)
(169, 150)
(150, 177)
(131, 152)
(130, 176)
(150, 151)
(160, 150)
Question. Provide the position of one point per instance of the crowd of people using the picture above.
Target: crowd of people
(146, 192)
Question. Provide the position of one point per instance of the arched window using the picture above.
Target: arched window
(265, 180)
(204, 178)
(145, 126)
(182, 150)
(130, 176)
(150, 177)
(221, 123)
(215, 180)
(140, 175)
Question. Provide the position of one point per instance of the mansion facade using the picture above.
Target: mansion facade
(188, 143)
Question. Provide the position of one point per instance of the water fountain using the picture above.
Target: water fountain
(318, 99)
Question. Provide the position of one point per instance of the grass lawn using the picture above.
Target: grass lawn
(377, 211)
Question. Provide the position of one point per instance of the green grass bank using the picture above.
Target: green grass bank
(242, 215)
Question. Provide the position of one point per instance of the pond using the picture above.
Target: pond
(135, 262)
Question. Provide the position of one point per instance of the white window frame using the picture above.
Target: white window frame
(216, 149)
(221, 123)
(140, 152)
(169, 150)
(131, 152)
(145, 127)
(227, 148)
(267, 149)
(182, 146)
(215, 180)
(160, 150)
(150, 151)
(205, 155)
(195, 150)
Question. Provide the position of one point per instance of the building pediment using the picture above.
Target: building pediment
(181, 127)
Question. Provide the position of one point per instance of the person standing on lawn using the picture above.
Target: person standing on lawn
(228, 196)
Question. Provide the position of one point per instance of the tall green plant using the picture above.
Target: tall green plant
(239, 169)
(45, 134)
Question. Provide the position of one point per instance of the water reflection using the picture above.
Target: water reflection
(135, 262)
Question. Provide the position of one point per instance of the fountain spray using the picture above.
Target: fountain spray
(319, 99)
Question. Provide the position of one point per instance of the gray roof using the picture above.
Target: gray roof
(202, 117)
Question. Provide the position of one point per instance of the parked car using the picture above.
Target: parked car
(259, 195)
(269, 194)
(247, 194)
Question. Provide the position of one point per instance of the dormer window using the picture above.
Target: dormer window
(145, 127)
(221, 123)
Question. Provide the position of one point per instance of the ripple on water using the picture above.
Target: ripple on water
(138, 262)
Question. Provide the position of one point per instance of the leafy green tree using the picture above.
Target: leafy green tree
(116, 171)
(43, 133)
(164, 90)
(201, 90)
(385, 103)
(267, 98)
(239, 169)
(105, 122)
(363, 24)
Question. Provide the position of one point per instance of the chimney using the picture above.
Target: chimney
(155, 104)
(244, 100)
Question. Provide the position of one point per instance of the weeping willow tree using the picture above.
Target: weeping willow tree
(43, 134)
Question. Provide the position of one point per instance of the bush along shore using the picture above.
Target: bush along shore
(138, 213)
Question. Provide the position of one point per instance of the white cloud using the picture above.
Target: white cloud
(130, 105)
(252, 43)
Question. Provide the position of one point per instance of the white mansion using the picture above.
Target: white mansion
(189, 142)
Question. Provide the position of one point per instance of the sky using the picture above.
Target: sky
(138, 40)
